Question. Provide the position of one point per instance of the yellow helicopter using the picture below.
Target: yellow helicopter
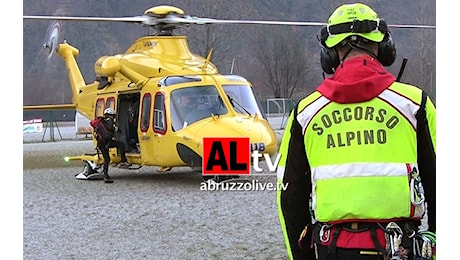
(170, 97)
(166, 98)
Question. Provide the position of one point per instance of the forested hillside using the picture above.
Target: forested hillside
(247, 50)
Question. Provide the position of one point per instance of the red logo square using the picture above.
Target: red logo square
(226, 156)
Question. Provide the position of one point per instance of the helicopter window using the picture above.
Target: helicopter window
(110, 103)
(191, 104)
(100, 106)
(159, 120)
(235, 78)
(145, 115)
(243, 99)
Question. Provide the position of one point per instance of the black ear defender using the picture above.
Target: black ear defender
(387, 50)
(329, 57)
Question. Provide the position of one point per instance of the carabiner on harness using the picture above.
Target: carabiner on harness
(325, 233)
(417, 193)
(424, 242)
(393, 237)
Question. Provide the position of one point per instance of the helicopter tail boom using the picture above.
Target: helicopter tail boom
(68, 53)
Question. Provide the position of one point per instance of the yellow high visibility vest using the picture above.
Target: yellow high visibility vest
(363, 155)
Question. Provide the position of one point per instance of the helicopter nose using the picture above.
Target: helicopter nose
(261, 135)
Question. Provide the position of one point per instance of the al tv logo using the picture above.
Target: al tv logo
(232, 156)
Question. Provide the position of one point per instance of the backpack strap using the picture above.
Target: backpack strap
(421, 113)
(332, 253)
(424, 96)
(376, 242)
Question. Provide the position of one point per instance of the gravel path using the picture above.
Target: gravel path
(142, 215)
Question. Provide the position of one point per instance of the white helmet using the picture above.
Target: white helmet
(109, 111)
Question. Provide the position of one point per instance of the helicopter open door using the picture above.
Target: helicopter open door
(127, 120)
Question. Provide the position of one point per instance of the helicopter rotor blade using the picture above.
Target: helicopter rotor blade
(201, 21)
(174, 19)
(412, 26)
(53, 37)
(144, 19)
(134, 19)
(198, 20)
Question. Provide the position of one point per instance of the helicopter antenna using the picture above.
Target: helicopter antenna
(233, 63)
(401, 70)
(208, 59)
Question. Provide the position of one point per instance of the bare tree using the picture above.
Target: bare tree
(281, 52)
(278, 49)
(223, 39)
(427, 51)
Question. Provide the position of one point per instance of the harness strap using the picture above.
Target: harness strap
(423, 103)
(332, 252)
(377, 244)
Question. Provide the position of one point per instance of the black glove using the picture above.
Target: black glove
(305, 242)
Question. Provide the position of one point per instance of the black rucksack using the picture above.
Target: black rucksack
(102, 133)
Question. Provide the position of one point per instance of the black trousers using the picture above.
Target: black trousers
(104, 148)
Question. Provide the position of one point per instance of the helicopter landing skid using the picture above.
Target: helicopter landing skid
(132, 167)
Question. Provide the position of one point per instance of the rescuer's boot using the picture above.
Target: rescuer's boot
(124, 165)
(107, 179)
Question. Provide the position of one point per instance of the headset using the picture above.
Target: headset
(330, 58)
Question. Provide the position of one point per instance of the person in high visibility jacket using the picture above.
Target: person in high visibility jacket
(359, 153)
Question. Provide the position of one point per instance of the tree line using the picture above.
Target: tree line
(280, 61)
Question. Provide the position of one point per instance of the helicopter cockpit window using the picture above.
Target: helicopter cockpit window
(243, 99)
(145, 115)
(189, 105)
(171, 80)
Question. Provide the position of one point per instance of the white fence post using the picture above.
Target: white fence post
(277, 111)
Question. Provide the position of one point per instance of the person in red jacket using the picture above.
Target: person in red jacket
(105, 134)
(359, 153)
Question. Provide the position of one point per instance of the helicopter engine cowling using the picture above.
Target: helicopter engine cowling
(107, 66)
